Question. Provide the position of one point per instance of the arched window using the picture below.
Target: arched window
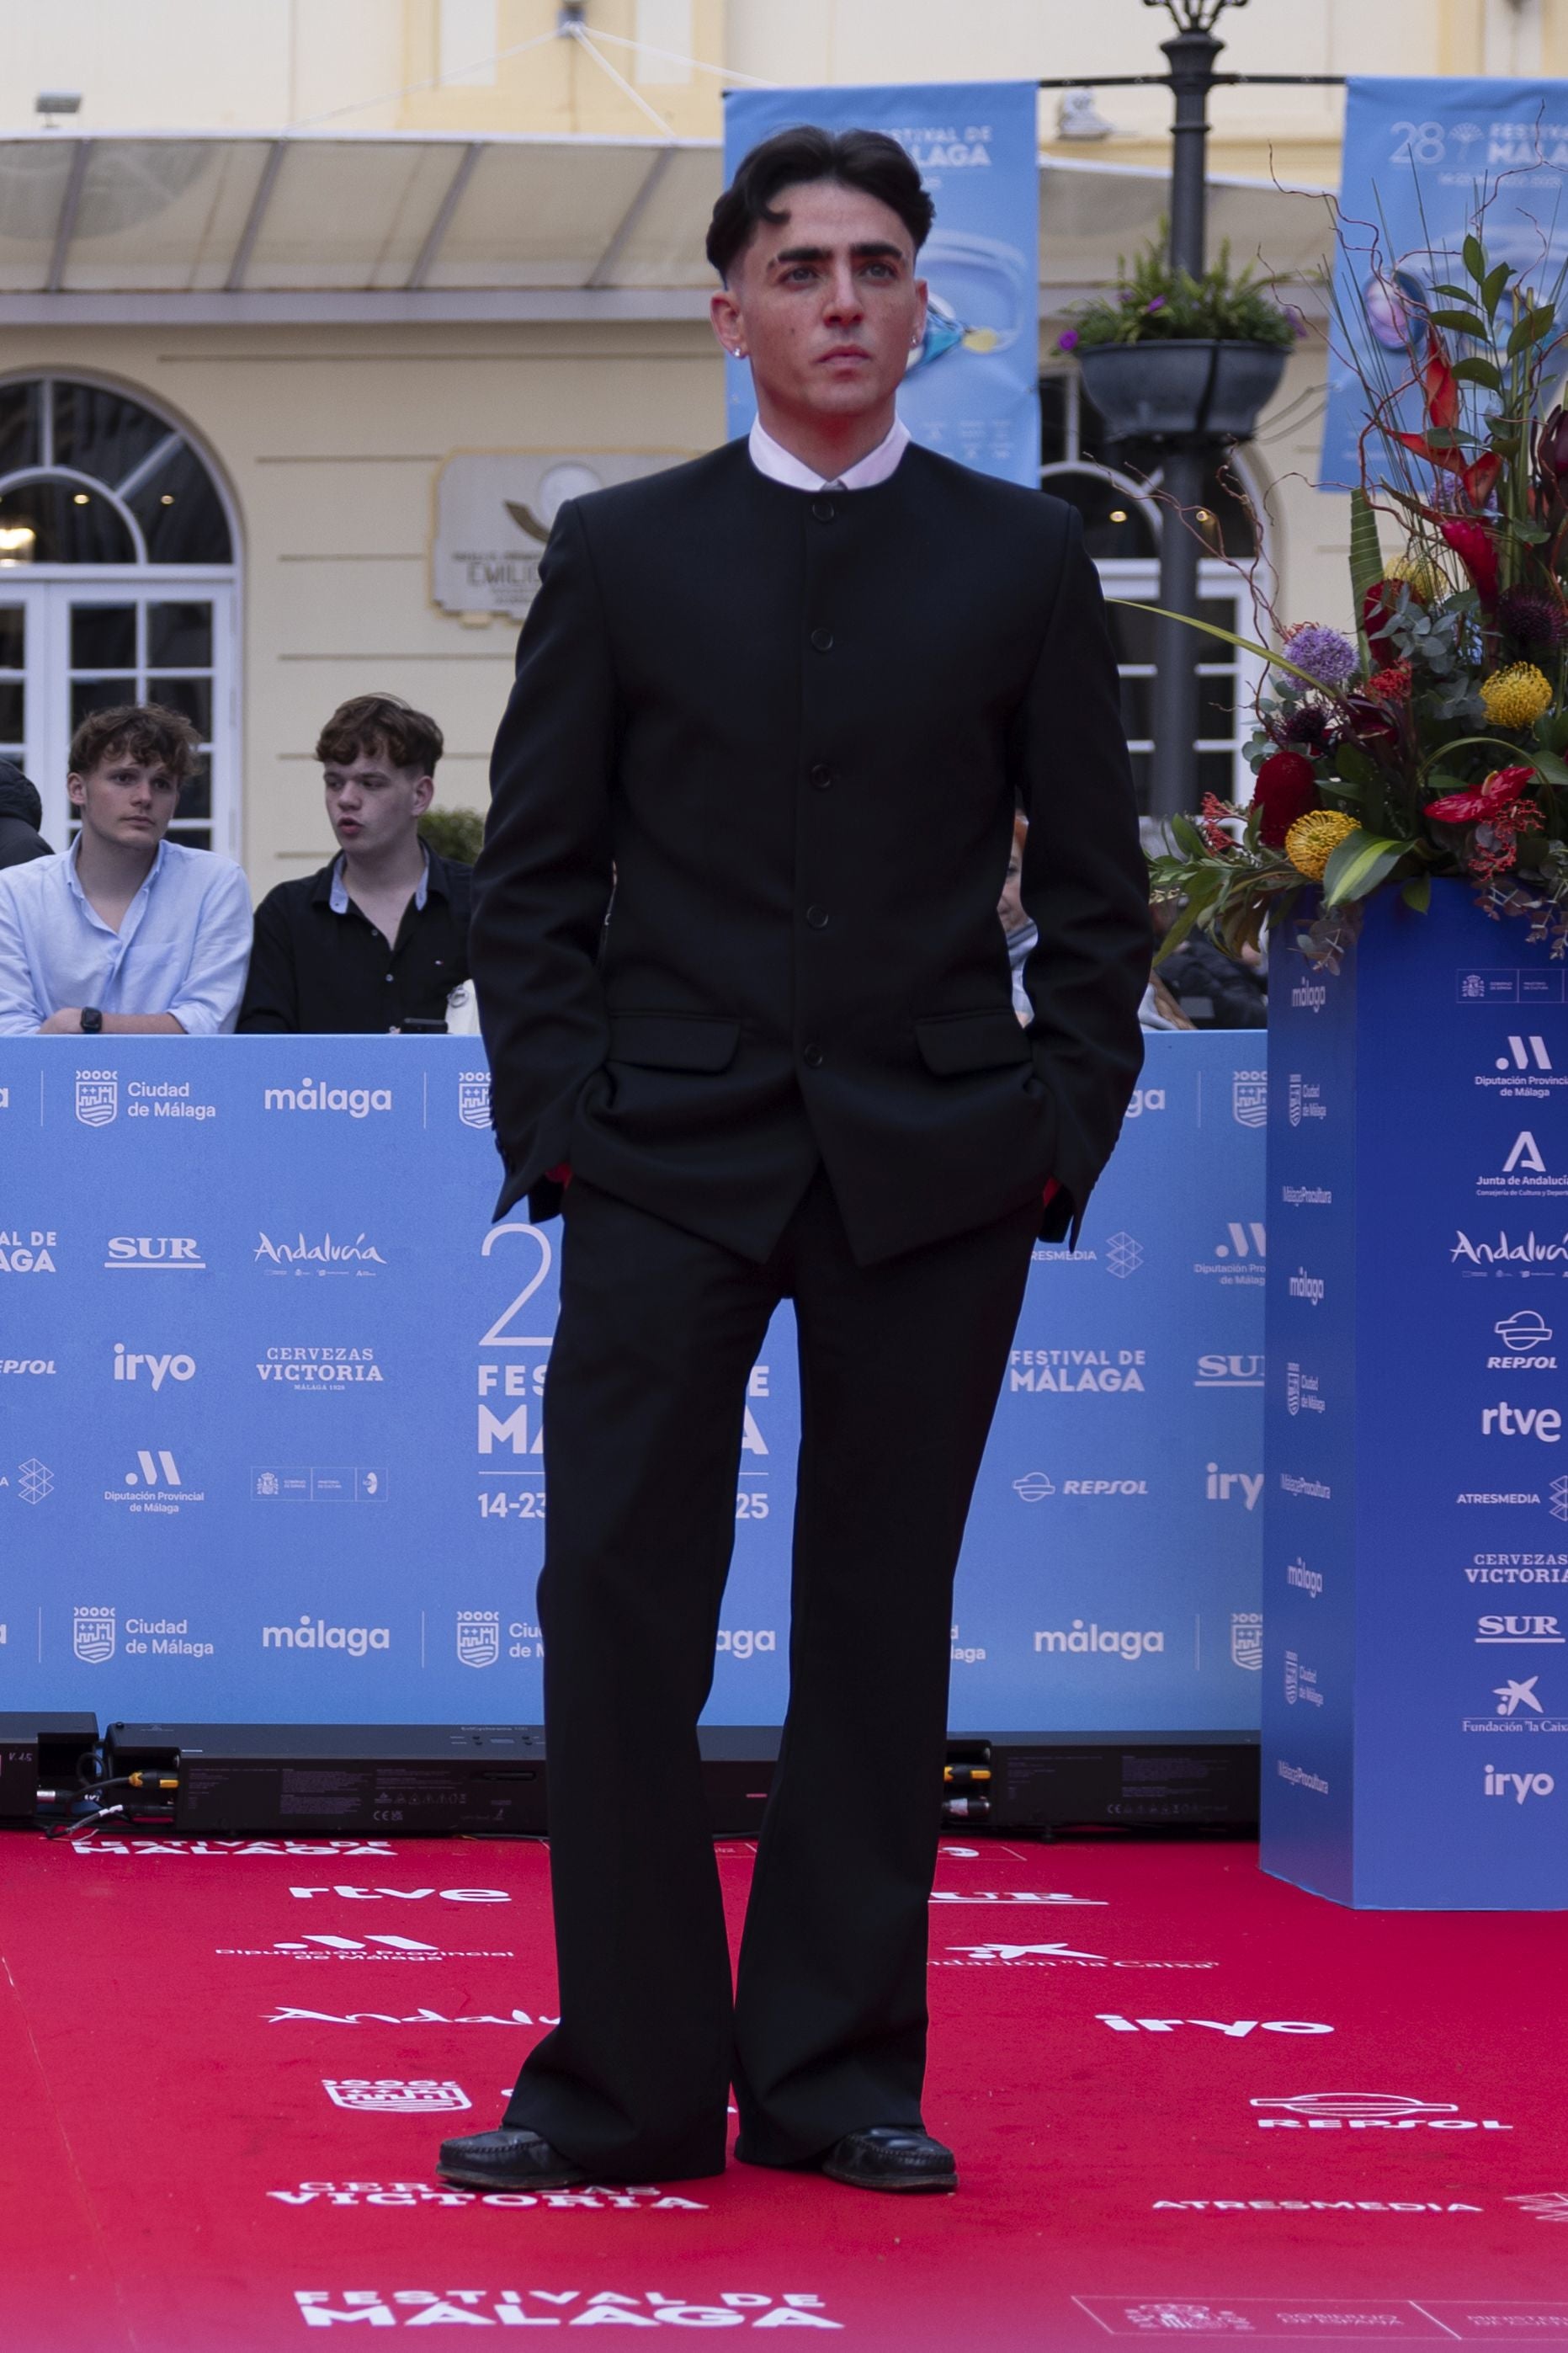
(1122, 521)
(117, 584)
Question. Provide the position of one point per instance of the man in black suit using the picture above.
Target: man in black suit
(773, 713)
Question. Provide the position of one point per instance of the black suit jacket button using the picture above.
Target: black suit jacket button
(822, 639)
(824, 510)
(818, 918)
(821, 776)
(813, 1056)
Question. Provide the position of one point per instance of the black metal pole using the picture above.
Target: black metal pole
(1173, 781)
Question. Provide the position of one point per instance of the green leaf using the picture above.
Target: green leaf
(1178, 930)
(1465, 322)
(1531, 329)
(1459, 294)
(1478, 372)
(1359, 864)
(1475, 259)
(1191, 840)
(1366, 561)
(1493, 286)
(1548, 766)
(1417, 893)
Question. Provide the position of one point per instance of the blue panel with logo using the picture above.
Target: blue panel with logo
(972, 389)
(1423, 161)
(1416, 1690)
(272, 1387)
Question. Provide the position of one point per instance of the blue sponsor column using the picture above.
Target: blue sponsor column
(1416, 1535)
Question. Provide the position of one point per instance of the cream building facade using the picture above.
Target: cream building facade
(306, 295)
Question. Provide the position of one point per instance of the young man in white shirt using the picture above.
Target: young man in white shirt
(125, 932)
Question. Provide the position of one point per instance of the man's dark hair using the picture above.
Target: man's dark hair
(19, 795)
(381, 726)
(143, 731)
(867, 160)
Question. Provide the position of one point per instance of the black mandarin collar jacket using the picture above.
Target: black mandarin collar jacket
(777, 738)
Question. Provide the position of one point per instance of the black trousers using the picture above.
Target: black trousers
(900, 1363)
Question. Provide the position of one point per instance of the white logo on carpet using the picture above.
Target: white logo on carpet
(395, 2095)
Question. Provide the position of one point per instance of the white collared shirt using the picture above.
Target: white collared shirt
(182, 947)
(772, 459)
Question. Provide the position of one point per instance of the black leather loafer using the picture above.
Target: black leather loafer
(891, 2157)
(505, 2160)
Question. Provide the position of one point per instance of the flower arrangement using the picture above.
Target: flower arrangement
(1155, 303)
(1432, 745)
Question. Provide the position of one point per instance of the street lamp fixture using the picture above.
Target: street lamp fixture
(1194, 16)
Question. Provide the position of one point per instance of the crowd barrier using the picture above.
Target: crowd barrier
(271, 1384)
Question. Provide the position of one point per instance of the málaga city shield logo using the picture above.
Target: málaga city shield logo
(97, 1097)
(479, 1637)
(93, 1636)
(1246, 1638)
(388, 2096)
(1249, 1097)
(474, 1098)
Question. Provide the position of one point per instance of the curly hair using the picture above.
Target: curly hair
(147, 732)
(867, 160)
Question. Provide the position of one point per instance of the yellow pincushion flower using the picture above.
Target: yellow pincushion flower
(1517, 696)
(1420, 575)
(1313, 838)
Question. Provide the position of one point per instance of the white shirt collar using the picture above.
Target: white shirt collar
(73, 855)
(769, 457)
(338, 892)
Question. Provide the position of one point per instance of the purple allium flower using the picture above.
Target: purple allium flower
(1532, 620)
(1156, 303)
(1321, 652)
(1067, 341)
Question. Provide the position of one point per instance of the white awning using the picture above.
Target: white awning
(149, 227)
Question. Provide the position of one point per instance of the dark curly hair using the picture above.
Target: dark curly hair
(144, 731)
(867, 160)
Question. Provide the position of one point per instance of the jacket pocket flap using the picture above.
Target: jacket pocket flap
(673, 1041)
(953, 1042)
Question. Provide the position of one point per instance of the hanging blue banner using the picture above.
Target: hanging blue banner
(972, 390)
(1422, 160)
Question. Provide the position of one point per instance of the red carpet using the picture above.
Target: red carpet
(221, 2099)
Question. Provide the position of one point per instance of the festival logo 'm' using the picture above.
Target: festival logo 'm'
(93, 1635)
(97, 1097)
(474, 1098)
(479, 1637)
(393, 2095)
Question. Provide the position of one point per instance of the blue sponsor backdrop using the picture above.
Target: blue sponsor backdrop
(1421, 160)
(270, 1389)
(1415, 1566)
(972, 390)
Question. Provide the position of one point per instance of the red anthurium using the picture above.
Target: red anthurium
(1453, 460)
(1476, 551)
(1287, 788)
(1442, 390)
(1503, 785)
(1551, 452)
(1377, 609)
(1479, 479)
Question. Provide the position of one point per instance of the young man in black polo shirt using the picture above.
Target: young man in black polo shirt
(379, 938)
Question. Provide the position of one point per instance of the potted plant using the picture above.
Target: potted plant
(1169, 354)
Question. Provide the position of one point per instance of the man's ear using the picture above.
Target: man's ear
(76, 788)
(423, 794)
(728, 325)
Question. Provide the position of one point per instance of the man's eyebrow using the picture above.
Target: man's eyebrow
(868, 252)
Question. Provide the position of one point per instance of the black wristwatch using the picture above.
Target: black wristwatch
(91, 1021)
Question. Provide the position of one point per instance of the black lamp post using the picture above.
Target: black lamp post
(1192, 51)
